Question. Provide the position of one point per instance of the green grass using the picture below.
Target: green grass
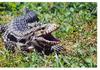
(77, 32)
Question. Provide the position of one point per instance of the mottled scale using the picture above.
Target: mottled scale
(20, 26)
(21, 23)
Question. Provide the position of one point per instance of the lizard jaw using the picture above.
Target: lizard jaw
(47, 34)
(50, 39)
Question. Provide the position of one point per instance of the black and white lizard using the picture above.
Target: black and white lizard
(27, 33)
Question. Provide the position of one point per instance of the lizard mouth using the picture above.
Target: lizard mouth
(50, 38)
(45, 34)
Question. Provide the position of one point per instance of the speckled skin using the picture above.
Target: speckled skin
(24, 32)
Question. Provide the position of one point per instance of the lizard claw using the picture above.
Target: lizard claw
(56, 48)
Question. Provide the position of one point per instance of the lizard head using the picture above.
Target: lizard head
(43, 39)
(45, 34)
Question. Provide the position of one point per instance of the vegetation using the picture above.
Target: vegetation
(77, 32)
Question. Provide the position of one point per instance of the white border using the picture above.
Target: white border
(49, 68)
(48, 0)
(98, 35)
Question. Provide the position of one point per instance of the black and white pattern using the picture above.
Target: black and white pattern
(28, 33)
